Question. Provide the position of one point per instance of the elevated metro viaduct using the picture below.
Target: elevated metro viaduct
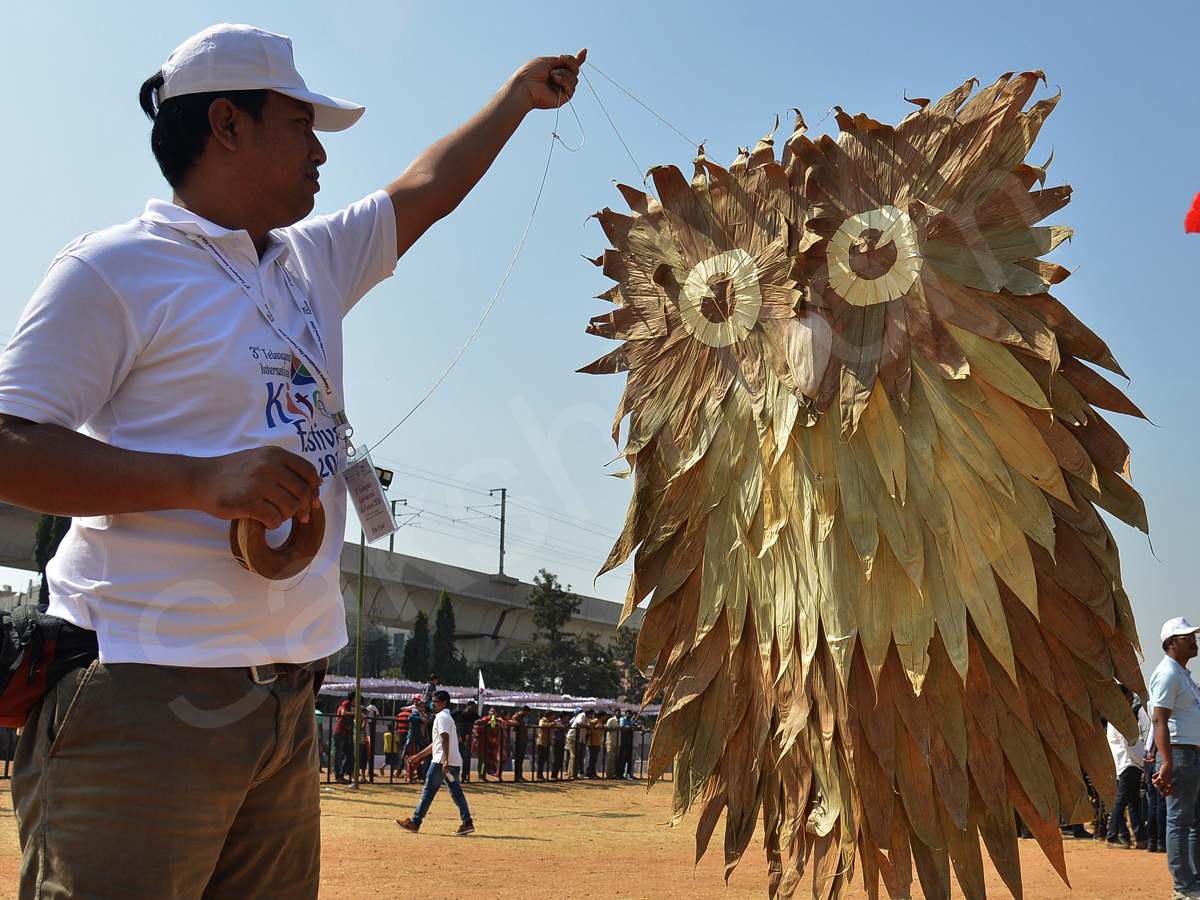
(492, 611)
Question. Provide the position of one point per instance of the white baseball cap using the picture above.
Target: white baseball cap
(1176, 627)
(242, 58)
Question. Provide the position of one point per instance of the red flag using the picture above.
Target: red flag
(1192, 223)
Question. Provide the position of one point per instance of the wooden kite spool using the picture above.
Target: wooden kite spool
(248, 543)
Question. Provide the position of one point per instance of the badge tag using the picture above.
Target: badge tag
(362, 484)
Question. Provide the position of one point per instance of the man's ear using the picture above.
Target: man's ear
(224, 119)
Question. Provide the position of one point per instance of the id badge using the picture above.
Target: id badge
(366, 493)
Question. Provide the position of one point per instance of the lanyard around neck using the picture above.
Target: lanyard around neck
(330, 398)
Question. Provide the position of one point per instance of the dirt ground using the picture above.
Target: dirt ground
(603, 840)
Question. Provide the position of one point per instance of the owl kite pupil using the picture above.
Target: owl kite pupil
(869, 260)
(719, 307)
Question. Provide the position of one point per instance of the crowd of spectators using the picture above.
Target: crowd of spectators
(557, 745)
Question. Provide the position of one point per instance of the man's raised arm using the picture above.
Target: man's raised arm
(437, 180)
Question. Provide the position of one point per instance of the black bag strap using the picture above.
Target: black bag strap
(32, 624)
(32, 628)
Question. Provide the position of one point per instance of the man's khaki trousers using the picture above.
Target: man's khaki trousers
(174, 783)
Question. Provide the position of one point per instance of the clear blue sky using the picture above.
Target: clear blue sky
(512, 413)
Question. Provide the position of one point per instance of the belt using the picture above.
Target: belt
(269, 673)
(1186, 746)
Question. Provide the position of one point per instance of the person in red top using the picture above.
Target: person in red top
(343, 739)
(402, 726)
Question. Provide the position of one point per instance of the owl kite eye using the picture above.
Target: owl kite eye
(721, 298)
(874, 256)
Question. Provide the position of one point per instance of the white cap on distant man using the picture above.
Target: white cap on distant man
(1176, 628)
(242, 58)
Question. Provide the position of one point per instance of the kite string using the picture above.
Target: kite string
(554, 133)
(637, 101)
(641, 172)
(616, 130)
(520, 245)
(645, 176)
(768, 201)
(529, 224)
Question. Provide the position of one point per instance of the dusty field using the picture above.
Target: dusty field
(586, 840)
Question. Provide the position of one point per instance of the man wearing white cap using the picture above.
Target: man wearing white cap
(200, 346)
(1176, 702)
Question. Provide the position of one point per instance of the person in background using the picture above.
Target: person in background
(595, 740)
(576, 737)
(464, 722)
(1176, 702)
(480, 746)
(545, 732)
(364, 748)
(427, 691)
(520, 741)
(322, 749)
(612, 744)
(343, 739)
(389, 751)
(498, 744)
(625, 761)
(558, 743)
(1128, 758)
(370, 717)
(402, 736)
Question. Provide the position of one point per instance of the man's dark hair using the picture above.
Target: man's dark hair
(181, 126)
(443, 696)
(433, 676)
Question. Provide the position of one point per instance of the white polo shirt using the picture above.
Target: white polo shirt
(139, 337)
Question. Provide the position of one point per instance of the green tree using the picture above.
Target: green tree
(50, 532)
(446, 657)
(415, 664)
(624, 650)
(553, 605)
(591, 669)
(578, 665)
(557, 662)
(554, 652)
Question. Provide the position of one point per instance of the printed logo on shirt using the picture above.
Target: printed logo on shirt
(292, 401)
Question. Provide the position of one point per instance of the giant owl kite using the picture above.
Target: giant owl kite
(867, 454)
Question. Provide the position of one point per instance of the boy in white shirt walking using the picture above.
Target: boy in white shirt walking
(447, 764)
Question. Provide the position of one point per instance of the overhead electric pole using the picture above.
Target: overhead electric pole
(503, 505)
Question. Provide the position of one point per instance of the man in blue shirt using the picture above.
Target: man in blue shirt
(1176, 701)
